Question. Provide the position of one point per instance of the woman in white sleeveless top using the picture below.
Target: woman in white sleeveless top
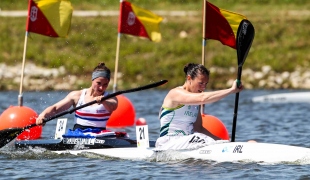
(180, 116)
(93, 116)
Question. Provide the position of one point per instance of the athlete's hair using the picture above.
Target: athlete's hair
(192, 70)
(101, 71)
(101, 67)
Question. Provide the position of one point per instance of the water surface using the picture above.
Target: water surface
(285, 123)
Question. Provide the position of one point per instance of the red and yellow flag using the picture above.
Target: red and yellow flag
(222, 25)
(139, 22)
(49, 17)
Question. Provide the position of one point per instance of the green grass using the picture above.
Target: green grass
(281, 41)
(167, 5)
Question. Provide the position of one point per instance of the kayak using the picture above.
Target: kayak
(297, 97)
(222, 152)
(118, 145)
(85, 139)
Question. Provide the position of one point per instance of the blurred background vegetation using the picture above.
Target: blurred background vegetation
(281, 41)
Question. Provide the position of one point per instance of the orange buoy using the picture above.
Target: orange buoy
(21, 116)
(124, 115)
(215, 126)
(140, 122)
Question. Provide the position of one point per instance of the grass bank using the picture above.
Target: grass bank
(281, 41)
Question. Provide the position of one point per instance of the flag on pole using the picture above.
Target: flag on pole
(49, 17)
(136, 21)
(222, 25)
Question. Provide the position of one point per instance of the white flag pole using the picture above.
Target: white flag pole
(116, 62)
(117, 50)
(204, 41)
(20, 96)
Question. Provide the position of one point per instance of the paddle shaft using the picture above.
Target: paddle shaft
(236, 106)
(102, 99)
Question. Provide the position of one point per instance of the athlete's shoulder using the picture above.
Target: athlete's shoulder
(75, 94)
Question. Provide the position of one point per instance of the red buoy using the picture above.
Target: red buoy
(21, 116)
(124, 115)
(140, 122)
(215, 126)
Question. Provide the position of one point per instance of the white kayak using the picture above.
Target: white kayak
(296, 97)
(224, 152)
(143, 149)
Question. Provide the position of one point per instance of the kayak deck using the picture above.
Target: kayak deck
(242, 152)
(80, 143)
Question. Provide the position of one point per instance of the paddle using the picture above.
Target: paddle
(245, 36)
(8, 135)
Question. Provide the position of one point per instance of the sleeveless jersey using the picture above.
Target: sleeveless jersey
(178, 121)
(94, 116)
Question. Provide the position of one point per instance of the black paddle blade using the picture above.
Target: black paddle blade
(7, 135)
(245, 36)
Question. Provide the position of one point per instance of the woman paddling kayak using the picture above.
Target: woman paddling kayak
(93, 116)
(180, 117)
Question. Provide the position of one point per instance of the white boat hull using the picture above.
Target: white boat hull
(298, 97)
(224, 152)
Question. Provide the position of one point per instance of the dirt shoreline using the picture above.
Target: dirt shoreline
(37, 78)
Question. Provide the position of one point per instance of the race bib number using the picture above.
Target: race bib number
(60, 128)
(142, 135)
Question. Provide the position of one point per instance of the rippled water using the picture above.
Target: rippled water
(286, 123)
